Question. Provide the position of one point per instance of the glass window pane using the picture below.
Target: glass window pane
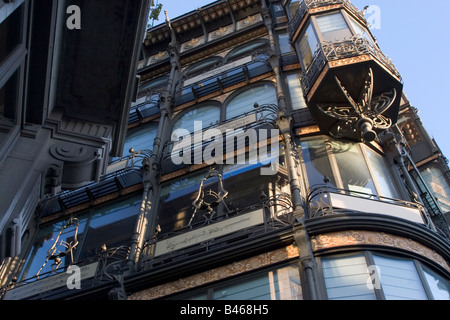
(141, 138)
(331, 22)
(257, 288)
(315, 157)
(10, 33)
(347, 278)
(352, 166)
(382, 175)
(279, 284)
(246, 49)
(293, 8)
(111, 225)
(285, 46)
(245, 101)
(208, 115)
(438, 185)
(176, 197)
(8, 104)
(296, 92)
(399, 279)
(308, 46)
(440, 287)
(333, 27)
(45, 239)
(360, 30)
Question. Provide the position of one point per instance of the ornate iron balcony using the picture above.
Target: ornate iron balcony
(338, 50)
(323, 200)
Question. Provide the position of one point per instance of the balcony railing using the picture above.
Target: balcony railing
(347, 48)
(324, 201)
(261, 218)
(312, 4)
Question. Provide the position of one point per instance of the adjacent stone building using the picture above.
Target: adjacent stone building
(269, 153)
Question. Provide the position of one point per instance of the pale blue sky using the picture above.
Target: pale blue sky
(415, 36)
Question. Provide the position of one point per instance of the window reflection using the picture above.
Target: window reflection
(110, 225)
(347, 165)
(243, 182)
(439, 287)
(333, 27)
(318, 167)
(381, 175)
(10, 33)
(295, 92)
(347, 277)
(352, 167)
(8, 104)
(245, 101)
(308, 46)
(141, 138)
(438, 185)
(280, 283)
(207, 115)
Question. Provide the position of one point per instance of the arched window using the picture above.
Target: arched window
(208, 115)
(140, 138)
(202, 66)
(244, 101)
(154, 84)
(246, 49)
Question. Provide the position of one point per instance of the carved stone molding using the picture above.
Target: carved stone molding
(355, 237)
(80, 163)
(221, 273)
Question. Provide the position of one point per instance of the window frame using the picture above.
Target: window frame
(419, 265)
(337, 176)
(208, 291)
(318, 39)
(241, 91)
(14, 62)
(87, 215)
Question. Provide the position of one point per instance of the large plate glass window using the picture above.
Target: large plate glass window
(308, 46)
(333, 27)
(295, 92)
(277, 283)
(9, 95)
(10, 33)
(437, 183)
(244, 102)
(140, 138)
(370, 276)
(353, 167)
(105, 227)
(205, 116)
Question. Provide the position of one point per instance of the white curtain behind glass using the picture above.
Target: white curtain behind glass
(244, 102)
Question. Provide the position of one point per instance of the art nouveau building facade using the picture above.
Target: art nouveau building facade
(271, 153)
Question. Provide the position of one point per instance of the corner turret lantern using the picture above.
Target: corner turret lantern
(352, 89)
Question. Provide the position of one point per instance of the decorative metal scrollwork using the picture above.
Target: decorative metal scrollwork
(200, 202)
(56, 255)
(362, 115)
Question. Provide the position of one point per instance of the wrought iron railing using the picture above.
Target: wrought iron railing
(259, 116)
(274, 221)
(335, 50)
(320, 202)
(312, 73)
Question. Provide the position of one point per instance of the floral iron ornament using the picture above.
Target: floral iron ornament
(214, 198)
(362, 117)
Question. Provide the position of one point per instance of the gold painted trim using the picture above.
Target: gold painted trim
(221, 273)
(355, 237)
